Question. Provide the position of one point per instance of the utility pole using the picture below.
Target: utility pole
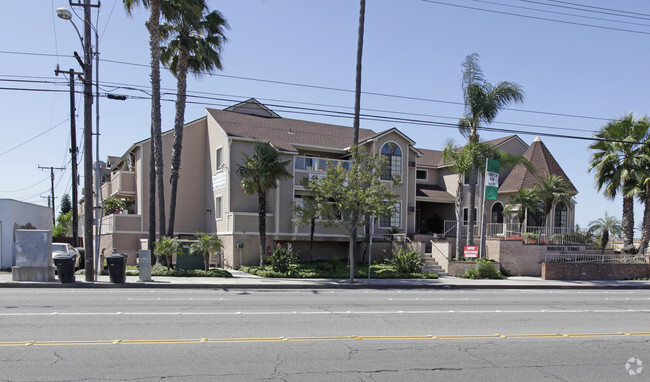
(73, 152)
(52, 189)
(88, 135)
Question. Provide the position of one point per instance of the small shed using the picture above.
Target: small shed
(14, 215)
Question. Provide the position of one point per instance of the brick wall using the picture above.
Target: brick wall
(594, 271)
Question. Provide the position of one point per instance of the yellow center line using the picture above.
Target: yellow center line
(319, 338)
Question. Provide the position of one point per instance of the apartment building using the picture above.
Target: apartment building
(210, 198)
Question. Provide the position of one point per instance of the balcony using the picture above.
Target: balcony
(121, 223)
(312, 166)
(122, 184)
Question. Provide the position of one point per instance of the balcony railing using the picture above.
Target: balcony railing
(529, 235)
(312, 164)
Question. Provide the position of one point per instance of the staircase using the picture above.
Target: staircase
(430, 265)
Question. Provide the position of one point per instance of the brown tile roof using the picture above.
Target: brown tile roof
(544, 164)
(283, 133)
(431, 158)
(433, 191)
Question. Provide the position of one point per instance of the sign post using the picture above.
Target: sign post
(491, 180)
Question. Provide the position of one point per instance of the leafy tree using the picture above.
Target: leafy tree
(194, 41)
(66, 205)
(616, 157)
(483, 101)
(551, 190)
(605, 228)
(260, 173)
(206, 245)
(462, 160)
(63, 227)
(526, 202)
(166, 247)
(344, 195)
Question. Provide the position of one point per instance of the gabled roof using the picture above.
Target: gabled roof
(283, 133)
(499, 141)
(253, 107)
(543, 162)
(430, 158)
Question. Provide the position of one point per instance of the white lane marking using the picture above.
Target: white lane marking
(178, 299)
(434, 299)
(347, 312)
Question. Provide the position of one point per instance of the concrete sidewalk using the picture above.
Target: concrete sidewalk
(241, 280)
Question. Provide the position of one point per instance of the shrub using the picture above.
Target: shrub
(281, 259)
(407, 261)
(483, 270)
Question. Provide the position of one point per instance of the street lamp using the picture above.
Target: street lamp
(88, 101)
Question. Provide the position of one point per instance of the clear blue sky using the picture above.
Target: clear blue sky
(412, 49)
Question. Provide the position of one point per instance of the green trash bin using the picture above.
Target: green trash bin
(64, 264)
(116, 267)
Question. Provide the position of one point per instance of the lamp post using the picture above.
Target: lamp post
(88, 154)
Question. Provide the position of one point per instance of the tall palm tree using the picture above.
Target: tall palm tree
(260, 173)
(605, 228)
(155, 157)
(640, 188)
(551, 190)
(194, 42)
(483, 101)
(616, 156)
(526, 202)
(357, 87)
(463, 160)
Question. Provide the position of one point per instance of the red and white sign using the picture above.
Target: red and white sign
(471, 251)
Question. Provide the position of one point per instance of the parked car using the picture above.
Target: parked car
(62, 248)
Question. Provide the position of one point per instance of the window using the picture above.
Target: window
(466, 216)
(219, 158)
(497, 213)
(217, 207)
(421, 174)
(394, 220)
(561, 215)
(393, 156)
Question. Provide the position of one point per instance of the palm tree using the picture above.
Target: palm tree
(605, 228)
(357, 92)
(260, 173)
(464, 159)
(166, 247)
(194, 41)
(206, 245)
(155, 157)
(525, 201)
(483, 101)
(616, 157)
(551, 190)
(640, 188)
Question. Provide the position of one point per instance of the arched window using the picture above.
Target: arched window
(561, 215)
(497, 213)
(393, 156)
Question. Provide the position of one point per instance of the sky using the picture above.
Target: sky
(580, 67)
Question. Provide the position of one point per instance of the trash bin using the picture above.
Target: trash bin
(117, 267)
(64, 263)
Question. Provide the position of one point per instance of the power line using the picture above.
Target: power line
(536, 17)
(28, 187)
(31, 139)
(592, 11)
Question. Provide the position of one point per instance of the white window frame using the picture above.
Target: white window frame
(389, 164)
(219, 157)
(218, 207)
(426, 175)
(390, 218)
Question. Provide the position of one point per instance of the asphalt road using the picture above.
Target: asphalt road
(324, 335)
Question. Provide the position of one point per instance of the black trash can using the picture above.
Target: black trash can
(64, 264)
(117, 267)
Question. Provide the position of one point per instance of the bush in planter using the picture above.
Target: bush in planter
(407, 261)
(483, 270)
(281, 259)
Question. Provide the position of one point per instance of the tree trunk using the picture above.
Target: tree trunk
(459, 220)
(628, 224)
(154, 45)
(472, 203)
(311, 237)
(177, 146)
(262, 223)
(353, 241)
(603, 241)
(206, 261)
(645, 226)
